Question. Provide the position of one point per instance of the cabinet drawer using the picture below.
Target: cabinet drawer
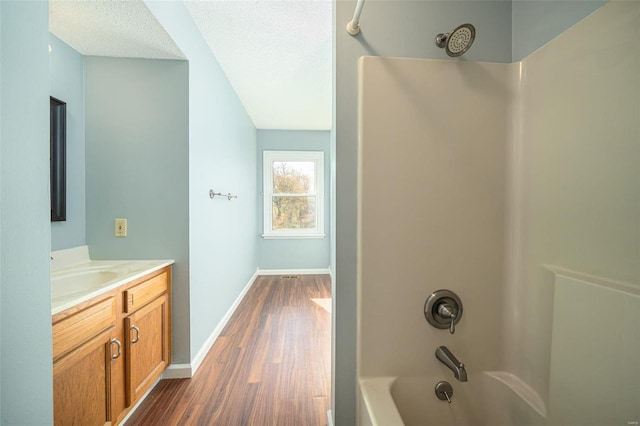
(143, 293)
(73, 330)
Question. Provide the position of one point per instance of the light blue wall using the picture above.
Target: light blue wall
(1, 258)
(536, 22)
(66, 82)
(395, 28)
(222, 157)
(137, 167)
(312, 253)
(26, 375)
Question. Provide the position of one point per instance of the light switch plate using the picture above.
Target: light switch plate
(121, 228)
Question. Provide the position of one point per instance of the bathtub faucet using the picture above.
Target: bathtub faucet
(445, 356)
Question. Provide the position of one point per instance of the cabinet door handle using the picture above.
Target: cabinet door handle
(119, 345)
(137, 330)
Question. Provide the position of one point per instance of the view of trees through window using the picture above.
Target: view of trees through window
(294, 195)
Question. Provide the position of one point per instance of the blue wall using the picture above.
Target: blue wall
(1, 258)
(66, 82)
(26, 375)
(222, 157)
(536, 22)
(310, 253)
(137, 148)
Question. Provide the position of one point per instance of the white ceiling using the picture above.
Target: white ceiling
(111, 28)
(276, 54)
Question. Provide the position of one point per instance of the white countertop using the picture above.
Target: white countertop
(75, 283)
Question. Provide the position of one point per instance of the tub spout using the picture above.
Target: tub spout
(445, 356)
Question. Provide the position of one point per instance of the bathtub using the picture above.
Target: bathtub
(488, 399)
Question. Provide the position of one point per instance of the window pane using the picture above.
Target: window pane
(294, 212)
(293, 177)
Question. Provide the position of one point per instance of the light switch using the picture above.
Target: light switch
(121, 227)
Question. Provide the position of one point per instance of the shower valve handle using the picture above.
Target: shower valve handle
(448, 312)
(443, 309)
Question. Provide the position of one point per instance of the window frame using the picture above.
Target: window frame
(268, 158)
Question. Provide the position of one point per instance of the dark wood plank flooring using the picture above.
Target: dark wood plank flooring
(271, 364)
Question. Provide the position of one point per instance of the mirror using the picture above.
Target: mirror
(57, 157)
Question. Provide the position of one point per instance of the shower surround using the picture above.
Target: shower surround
(516, 187)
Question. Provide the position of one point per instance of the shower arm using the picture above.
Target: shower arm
(353, 27)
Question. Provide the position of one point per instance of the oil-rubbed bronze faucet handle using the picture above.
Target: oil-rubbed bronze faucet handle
(448, 312)
(443, 309)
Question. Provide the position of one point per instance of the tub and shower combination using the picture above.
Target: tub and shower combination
(515, 187)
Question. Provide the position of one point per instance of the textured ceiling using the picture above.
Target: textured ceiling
(276, 54)
(111, 28)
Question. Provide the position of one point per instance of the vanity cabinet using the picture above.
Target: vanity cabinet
(108, 351)
(82, 355)
(81, 384)
(147, 335)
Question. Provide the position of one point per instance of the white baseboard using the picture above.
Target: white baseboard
(178, 371)
(329, 418)
(293, 271)
(185, 371)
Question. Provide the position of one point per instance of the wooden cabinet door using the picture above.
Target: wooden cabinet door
(147, 332)
(81, 384)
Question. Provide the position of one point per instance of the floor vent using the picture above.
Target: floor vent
(289, 277)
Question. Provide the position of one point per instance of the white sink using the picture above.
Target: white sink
(76, 278)
(80, 282)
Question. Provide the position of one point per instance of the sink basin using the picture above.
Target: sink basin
(75, 278)
(80, 282)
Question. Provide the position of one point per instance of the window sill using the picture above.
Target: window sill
(291, 237)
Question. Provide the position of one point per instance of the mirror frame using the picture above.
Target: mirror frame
(58, 159)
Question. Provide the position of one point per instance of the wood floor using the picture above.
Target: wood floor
(271, 364)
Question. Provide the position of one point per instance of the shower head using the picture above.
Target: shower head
(458, 41)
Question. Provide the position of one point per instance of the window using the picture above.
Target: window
(293, 194)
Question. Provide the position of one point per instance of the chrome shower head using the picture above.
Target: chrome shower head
(458, 41)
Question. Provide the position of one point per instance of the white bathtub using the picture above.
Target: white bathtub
(487, 399)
